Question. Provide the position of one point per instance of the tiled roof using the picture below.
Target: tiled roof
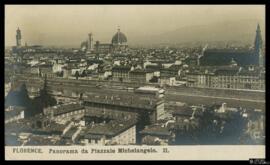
(111, 128)
(61, 109)
(126, 101)
(157, 130)
(183, 111)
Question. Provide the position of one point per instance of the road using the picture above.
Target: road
(246, 99)
(216, 97)
(208, 100)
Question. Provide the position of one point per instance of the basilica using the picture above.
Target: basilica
(219, 57)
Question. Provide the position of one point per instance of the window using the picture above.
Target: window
(247, 86)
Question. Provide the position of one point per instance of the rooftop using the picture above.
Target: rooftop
(138, 71)
(16, 110)
(65, 108)
(70, 132)
(40, 140)
(227, 71)
(121, 67)
(112, 128)
(156, 129)
(131, 100)
(188, 111)
(26, 125)
(183, 111)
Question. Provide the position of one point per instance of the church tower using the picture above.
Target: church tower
(90, 42)
(258, 46)
(18, 37)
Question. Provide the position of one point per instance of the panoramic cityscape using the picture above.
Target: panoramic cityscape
(109, 92)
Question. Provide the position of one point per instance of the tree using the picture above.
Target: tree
(84, 73)
(77, 75)
(18, 97)
(46, 99)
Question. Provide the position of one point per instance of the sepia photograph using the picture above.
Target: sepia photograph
(133, 80)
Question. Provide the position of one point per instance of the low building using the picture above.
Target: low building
(228, 77)
(57, 67)
(71, 135)
(111, 133)
(238, 78)
(38, 126)
(37, 140)
(168, 76)
(103, 47)
(14, 113)
(187, 118)
(46, 70)
(199, 79)
(65, 111)
(66, 71)
(121, 73)
(154, 68)
(170, 81)
(140, 76)
(150, 109)
(157, 134)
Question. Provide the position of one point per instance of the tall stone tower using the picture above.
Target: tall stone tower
(18, 37)
(258, 46)
(90, 42)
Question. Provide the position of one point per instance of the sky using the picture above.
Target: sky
(69, 24)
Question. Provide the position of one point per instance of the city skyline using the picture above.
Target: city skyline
(156, 23)
(142, 78)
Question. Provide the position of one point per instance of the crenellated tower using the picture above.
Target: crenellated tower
(18, 37)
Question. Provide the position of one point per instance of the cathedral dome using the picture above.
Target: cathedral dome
(119, 38)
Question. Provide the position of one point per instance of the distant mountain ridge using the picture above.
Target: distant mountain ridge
(243, 30)
(223, 31)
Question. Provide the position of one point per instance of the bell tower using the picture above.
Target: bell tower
(258, 46)
(18, 37)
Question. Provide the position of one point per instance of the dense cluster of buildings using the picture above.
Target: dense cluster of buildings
(136, 119)
(138, 115)
(229, 77)
(233, 68)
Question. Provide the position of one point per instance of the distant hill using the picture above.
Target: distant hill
(243, 30)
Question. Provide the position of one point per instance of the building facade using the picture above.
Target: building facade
(229, 78)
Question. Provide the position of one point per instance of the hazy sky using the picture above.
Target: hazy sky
(70, 24)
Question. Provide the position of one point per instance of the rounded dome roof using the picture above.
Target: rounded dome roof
(119, 38)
